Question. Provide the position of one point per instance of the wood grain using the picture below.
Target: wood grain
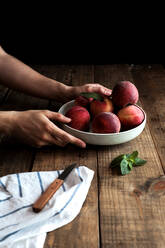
(120, 211)
(152, 92)
(77, 233)
(129, 216)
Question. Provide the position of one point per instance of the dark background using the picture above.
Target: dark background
(85, 37)
(64, 49)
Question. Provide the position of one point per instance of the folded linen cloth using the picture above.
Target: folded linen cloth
(20, 227)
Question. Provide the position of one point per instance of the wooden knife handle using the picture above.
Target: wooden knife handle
(45, 197)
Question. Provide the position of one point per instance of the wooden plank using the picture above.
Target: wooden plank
(15, 159)
(19, 102)
(77, 233)
(64, 75)
(153, 98)
(129, 215)
(54, 72)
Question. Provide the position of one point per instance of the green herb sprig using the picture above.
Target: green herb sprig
(126, 162)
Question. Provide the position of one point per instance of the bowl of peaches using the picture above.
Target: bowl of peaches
(102, 120)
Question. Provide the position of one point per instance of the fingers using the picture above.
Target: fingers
(67, 138)
(98, 88)
(105, 91)
(50, 140)
(55, 135)
(57, 116)
(58, 136)
(36, 129)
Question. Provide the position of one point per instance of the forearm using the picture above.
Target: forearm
(16, 75)
(6, 122)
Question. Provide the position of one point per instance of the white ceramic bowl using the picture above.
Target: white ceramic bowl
(102, 139)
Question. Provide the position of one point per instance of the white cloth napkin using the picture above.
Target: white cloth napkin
(20, 227)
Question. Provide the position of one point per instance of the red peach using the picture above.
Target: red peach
(130, 117)
(106, 122)
(97, 106)
(82, 101)
(124, 93)
(80, 118)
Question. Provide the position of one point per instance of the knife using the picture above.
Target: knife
(51, 190)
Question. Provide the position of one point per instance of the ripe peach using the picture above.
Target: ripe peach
(97, 106)
(80, 118)
(82, 101)
(106, 122)
(124, 93)
(130, 117)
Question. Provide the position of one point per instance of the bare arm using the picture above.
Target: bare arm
(16, 75)
(34, 127)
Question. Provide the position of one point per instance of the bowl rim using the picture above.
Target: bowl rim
(107, 134)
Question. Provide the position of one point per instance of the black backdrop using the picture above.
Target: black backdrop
(62, 33)
(86, 44)
(62, 51)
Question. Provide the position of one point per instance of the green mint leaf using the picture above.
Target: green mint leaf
(93, 95)
(116, 161)
(127, 162)
(124, 167)
(132, 156)
(139, 162)
(130, 164)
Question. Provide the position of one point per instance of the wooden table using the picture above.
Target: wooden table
(120, 211)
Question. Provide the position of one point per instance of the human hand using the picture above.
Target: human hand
(35, 127)
(97, 88)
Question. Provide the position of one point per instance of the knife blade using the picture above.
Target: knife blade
(51, 190)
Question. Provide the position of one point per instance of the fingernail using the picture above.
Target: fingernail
(108, 92)
(68, 119)
(83, 145)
